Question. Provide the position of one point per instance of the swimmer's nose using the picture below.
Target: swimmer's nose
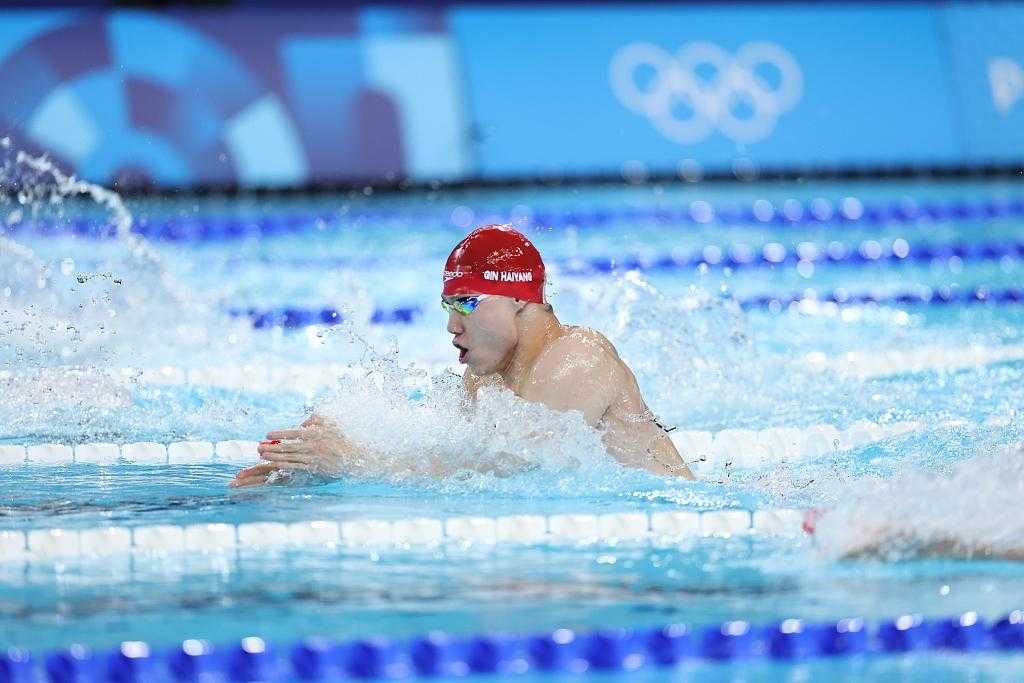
(454, 323)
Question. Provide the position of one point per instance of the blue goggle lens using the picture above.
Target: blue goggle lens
(463, 305)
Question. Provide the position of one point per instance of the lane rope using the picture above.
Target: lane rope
(788, 213)
(704, 450)
(807, 301)
(561, 651)
(738, 256)
(875, 364)
(312, 377)
(610, 529)
(742, 256)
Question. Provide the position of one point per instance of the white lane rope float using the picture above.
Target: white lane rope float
(704, 451)
(875, 364)
(234, 452)
(312, 377)
(315, 376)
(579, 529)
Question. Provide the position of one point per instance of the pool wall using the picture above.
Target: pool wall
(311, 95)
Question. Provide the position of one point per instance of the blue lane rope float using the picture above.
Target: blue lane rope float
(791, 212)
(559, 651)
(742, 256)
(738, 257)
(295, 317)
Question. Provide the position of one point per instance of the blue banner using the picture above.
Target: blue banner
(584, 89)
(986, 44)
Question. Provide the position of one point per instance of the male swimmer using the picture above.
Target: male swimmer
(507, 336)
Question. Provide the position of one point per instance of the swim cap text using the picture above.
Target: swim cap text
(507, 276)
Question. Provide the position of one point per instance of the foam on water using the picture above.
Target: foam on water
(966, 509)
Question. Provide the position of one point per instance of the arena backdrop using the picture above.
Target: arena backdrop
(291, 96)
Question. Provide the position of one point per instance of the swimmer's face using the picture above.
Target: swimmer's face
(487, 337)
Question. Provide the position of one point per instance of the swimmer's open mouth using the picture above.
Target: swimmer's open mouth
(462, 352)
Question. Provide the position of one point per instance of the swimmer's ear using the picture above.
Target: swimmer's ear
(522, 305)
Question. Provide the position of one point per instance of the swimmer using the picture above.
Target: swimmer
(968, 511)
(508, 336)
(893, 540)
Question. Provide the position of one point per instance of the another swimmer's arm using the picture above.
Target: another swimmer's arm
(845, 536)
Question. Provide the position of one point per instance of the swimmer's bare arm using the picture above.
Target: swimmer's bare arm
(573, 376)
(319, 447)
(646, 445)
(906, 546)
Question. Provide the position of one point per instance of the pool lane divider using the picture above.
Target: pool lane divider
(704, 451)
(560, 651)
(744, 257)
(313, 377)
(760, 212)
(478, 532)
(875, 364)
(738, 256)
(299, 317)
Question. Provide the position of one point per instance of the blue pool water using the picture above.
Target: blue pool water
(82, 344)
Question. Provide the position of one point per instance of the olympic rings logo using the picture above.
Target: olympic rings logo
(702, 88)
(1006, 79)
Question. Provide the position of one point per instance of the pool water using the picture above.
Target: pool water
(83, 348)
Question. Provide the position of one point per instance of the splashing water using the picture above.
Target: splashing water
(57, 315)
(421, 429)
(968, 510)
(65, 334)
(423, 432)
(705, 350)
(69, 186)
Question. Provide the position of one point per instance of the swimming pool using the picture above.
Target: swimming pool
(816, 344)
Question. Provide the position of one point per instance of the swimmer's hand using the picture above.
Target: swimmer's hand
(317, 447)
(258, 475)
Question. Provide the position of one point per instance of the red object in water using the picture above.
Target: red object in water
(811, 518)
(272, 442)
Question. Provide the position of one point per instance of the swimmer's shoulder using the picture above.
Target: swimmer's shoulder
(580, 348)
(586, 347)
(587, 341)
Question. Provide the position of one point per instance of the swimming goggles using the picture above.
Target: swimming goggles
(463, 305)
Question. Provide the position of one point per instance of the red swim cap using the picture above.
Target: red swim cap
(495, 259)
